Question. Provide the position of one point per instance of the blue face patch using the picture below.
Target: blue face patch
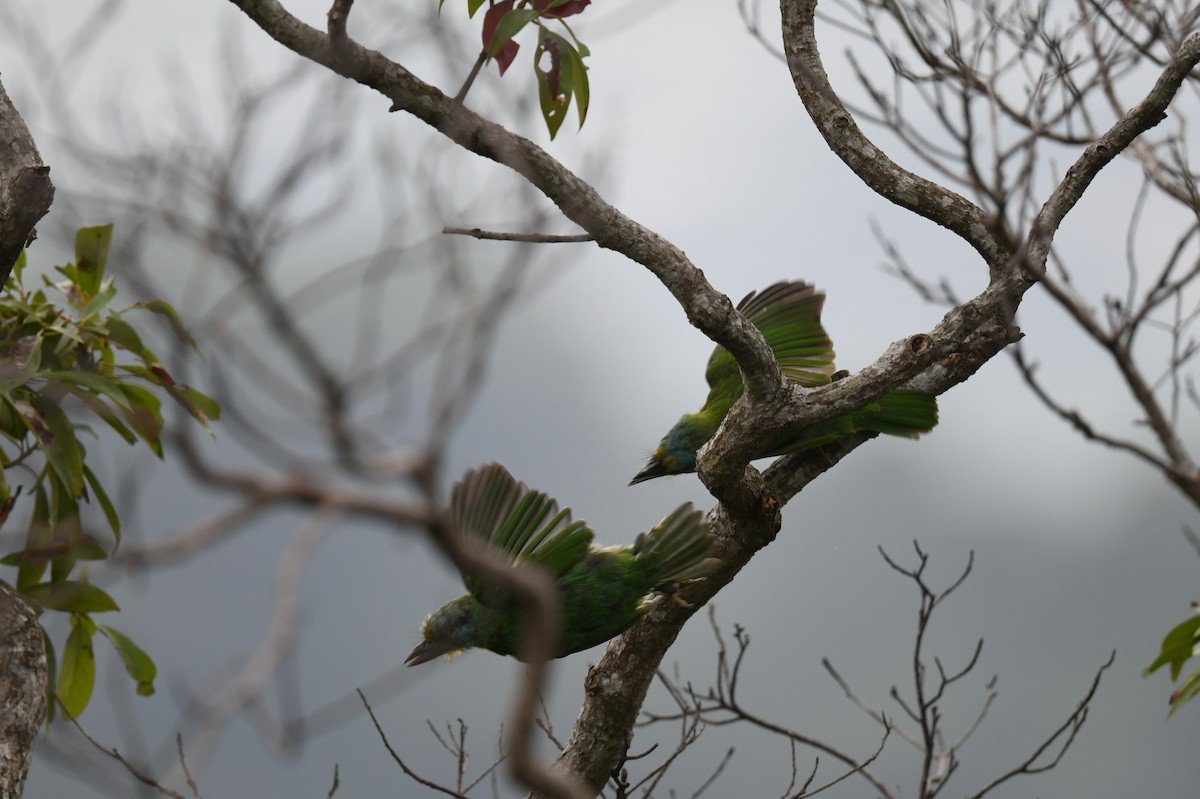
(454, 623)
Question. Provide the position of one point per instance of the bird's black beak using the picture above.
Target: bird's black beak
(427, 651)
(653, 468)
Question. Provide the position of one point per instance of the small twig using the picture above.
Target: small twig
(1076, 420)
(812, 775)
(532, 238)
(339, 14)
(117, 756)
(333, 788)
(640, 755)
(184, 767)
(689, 733)
(870, 711)
(471, 76)
(987, 704)
(1191, 538)
(861, 767)
(461, 746)
(711, 709)
(713, 777)
(543, 722)
(1071, 727)
(404, 766)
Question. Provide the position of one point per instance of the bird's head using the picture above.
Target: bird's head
(676, 453)
(447, 631)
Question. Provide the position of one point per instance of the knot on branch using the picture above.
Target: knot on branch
(920, 344)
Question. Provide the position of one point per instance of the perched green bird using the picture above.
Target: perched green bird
(789, 317)
(602, 591)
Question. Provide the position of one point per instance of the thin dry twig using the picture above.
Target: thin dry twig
(532, 238)
(137, 774)
(400, 761)
(336, 783)
(718, 706)
(1065, 733)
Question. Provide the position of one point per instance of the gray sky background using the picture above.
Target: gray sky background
(700, 135)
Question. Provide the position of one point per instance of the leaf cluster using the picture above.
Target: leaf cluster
(557, 60)
(67, 354)
(1181, 644)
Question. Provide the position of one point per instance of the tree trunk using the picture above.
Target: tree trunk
(22, 689)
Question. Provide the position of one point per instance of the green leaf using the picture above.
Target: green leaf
(13, 375)
(78, 673)
(110, 512)
(14, 558)
(96, 383)
(123, 335)
(139, 665)
(203, 407)
(38, 537)
(84, 547)
(18, 268)
(1184, 693)
(144, 415)
(106, 413)
(579, 81)
(99, 300)
(61, 448)
(165, 310)
(564, 78)
(91, 256)
(550, 85)
(1178, 645)
(64, 523)
(71, 596)
(7, 498)
(473, 6)
(509, 26)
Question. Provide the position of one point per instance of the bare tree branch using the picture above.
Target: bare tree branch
(1064, 736)
(133, 770)
(533, 238)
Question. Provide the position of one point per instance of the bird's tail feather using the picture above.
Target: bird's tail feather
(676, 549)
(903, 412)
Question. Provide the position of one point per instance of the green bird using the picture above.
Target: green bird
(602, 591)
(789, 317)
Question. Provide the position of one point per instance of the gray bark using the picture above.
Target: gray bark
(25, 196)
(25, 188)
(22, 689)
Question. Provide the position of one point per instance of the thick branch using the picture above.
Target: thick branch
(1141, 118)
(25, 188)
(969, 336)
(706, 308)
(842, 134)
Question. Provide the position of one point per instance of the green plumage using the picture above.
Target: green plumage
(602, 591)
(789, 317)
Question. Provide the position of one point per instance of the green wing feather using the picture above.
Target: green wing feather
(903, 412)
(789, 317)
(525, 526)
(676, 549)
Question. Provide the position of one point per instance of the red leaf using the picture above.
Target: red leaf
(162, 373)
(567, 9)
(508, 50)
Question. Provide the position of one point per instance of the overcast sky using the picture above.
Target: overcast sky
(696, 132)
